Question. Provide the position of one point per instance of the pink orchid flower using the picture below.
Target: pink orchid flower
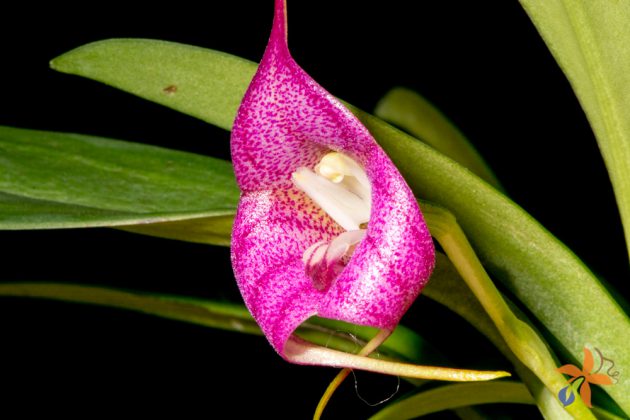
(326, 225)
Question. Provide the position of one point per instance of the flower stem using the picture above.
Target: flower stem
(526, 344)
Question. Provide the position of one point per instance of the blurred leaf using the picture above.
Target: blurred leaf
(408, 110)
(602, 414)
(589, 40)
(215, 230)
(402, 344)
(449, 289)
(223, 315)
(54, 180)
(454, 396)
(539, 270)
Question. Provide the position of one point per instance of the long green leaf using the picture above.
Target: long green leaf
(53, 180)
(402, 344)
(223, 315)
(214, 230)
(212, 92)
(539, 270)
(589, 39)
(454, 396)
(449, 289)
(408, 110)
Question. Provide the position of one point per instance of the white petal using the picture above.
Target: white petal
(345, 207)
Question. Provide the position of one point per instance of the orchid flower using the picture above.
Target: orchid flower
(326, 225)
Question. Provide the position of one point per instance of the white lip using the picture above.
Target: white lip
(340, 187)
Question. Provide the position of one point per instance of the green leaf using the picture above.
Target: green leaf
(449, 289)
(223, 315)
(589, 40)
(519, 334)
(215, 230)
(402, 344)
(408, 110)
(54, 180)
(603, 414)
(539, 270)
(211, 93)
(454, 396)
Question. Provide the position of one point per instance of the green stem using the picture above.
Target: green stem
(524, 342)
(449, 289)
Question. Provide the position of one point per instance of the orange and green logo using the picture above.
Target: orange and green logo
(581, 379)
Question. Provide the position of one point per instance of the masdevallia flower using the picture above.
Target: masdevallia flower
(326, 225)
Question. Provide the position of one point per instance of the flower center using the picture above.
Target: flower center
(341, 188)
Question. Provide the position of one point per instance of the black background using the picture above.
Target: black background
(483, 64)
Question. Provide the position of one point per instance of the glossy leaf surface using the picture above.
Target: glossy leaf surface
(59, 180)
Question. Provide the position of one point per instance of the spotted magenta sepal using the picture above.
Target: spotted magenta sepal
(326, 225)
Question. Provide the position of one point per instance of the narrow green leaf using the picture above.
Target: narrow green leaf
(402, 344)
(524, 341)
(211, 93)
(589, 40)
(408, 110)
(229, 316)
(455, 396)
(215, 230)
(449, 289)
(539, 270)
(221, 315)
(469, 413)
(54, 180)
(602, 414)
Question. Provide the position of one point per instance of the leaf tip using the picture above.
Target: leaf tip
(61, 63)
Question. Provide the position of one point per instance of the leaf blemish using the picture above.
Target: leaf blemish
(170, 89)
